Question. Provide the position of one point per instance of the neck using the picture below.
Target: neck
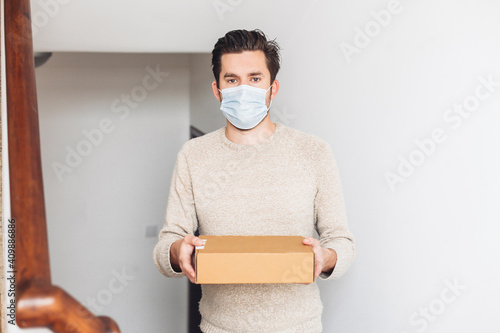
(251, 136)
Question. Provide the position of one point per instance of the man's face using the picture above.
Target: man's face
(246, 68)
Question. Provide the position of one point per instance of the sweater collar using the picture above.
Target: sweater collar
(262, 145)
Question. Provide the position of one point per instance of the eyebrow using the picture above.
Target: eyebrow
(250, 74)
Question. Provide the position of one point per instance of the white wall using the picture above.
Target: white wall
(104, 216)
(203, 106)
(153, 25)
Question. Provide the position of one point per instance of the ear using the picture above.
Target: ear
(216, 91)
(275, 88)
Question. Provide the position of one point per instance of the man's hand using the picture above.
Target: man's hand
(180, 255)
(325, 258)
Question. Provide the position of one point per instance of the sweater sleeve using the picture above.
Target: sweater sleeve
(330, 213)
(180, 217)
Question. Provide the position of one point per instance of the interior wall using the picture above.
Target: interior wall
(110, 127)
(153, 26)
(204, 107)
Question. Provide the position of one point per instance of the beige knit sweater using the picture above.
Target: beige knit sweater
(286, 185)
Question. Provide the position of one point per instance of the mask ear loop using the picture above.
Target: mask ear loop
(221, 97)
(271, 102)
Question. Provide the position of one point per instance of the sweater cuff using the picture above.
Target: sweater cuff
(345, 256)
(161, 256)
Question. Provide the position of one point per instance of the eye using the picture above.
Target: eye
(231, 81)
(255, 79)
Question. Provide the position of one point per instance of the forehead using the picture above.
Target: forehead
(244, 63)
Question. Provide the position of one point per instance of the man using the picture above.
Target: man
(254, 177)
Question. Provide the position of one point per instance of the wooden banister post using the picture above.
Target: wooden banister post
(38, 302)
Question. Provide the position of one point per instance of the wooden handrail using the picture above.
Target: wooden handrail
(38, 302)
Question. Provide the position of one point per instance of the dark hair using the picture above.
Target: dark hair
(237, 41)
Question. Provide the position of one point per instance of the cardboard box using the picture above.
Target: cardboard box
(253, 259)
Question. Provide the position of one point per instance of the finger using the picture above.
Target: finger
(191, 240)
(189, 267)
(311, 241)
(185, 263)
(196, 241)
(318, 264)
(314, 243)
(188, 270)
(187, 252)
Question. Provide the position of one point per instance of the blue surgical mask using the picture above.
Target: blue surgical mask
(244, 106)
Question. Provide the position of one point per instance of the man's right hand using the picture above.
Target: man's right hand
(180, 255)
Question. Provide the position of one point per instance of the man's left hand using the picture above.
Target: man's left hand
(326, 258)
